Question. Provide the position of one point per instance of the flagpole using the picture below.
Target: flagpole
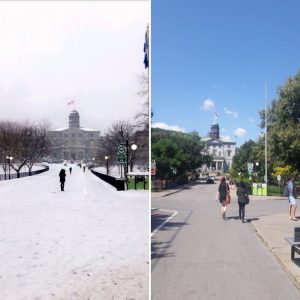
(266, 135)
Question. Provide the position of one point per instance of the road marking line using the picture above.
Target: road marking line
(163, 224)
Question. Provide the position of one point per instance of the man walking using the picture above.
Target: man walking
(292, 199)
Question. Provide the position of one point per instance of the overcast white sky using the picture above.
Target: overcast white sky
(53, 52)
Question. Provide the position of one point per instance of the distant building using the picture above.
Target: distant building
(221, 150)
(74, 142)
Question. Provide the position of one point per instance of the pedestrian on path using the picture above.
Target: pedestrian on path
(62, 179)
(223, 193)
(84, 168)
(70, 170)
(243, 199)
(292, 199)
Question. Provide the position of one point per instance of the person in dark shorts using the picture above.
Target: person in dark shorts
(223, 190)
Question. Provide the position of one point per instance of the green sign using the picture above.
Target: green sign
(121, 150)
(121, 158)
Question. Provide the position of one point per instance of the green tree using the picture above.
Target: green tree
(182, 151)
(284, 126)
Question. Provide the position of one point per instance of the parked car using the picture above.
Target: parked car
(210, 179)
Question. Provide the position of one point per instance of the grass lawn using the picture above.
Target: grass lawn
(139, 185)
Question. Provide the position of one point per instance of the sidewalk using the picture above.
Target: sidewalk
(168, 192)
(273, 230)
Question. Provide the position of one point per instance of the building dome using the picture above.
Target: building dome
(74, 119)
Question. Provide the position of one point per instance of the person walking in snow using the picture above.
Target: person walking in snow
(62, 179)
(84, 168)
(70, 170)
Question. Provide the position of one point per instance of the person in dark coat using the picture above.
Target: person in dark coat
(223, 190)
(62, 179)
(70, 170)
(243, 199)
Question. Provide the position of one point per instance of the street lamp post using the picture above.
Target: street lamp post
(106, 158)
(9, 159)
(93, 162)
(133, 147)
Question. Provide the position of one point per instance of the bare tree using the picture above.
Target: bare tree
(22, 141)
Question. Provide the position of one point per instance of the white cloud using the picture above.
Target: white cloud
(229, 112)
(240, 132)
(167, 127)
(226, 138)
(208, 104)
(223, 130)
(251, 120)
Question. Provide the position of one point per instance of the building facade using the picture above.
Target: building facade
(221, 150)
(74, 142)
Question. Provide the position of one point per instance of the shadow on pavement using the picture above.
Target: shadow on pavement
(247, 220)
(159, 250)
(158, 217)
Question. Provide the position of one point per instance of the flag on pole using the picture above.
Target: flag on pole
(146, 49)
(71, 102)
(216, 116)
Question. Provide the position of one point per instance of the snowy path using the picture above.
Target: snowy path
(88, 242)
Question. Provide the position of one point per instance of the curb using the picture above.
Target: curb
(295, 279)
(172, 193)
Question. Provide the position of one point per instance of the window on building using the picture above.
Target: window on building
(228, 146)
(66, 135)
(229, 153)
(220, 146)
(219, 153)
(91, 135)
(214, 152)
(73, 135)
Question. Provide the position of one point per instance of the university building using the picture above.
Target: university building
(74, 142)
(221, 151)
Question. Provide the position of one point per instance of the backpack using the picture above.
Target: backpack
(286, 192)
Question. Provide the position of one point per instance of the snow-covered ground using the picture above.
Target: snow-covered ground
(88, 242)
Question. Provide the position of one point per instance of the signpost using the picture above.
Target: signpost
(153, 167)
(250, 168)
(121, 154)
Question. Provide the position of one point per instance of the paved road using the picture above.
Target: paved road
(198, 255)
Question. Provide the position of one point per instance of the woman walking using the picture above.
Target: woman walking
(243, 199)
(62, 179)
(223, 193)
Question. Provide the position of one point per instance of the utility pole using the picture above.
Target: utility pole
(266, 136)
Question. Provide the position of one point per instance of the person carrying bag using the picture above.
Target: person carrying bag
(222, 194)
(243, 199)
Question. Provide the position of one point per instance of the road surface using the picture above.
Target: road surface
(198, 255)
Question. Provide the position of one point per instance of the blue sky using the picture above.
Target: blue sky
(215, 56)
